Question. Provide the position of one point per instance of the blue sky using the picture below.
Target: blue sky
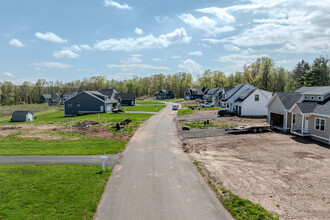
(70, 40)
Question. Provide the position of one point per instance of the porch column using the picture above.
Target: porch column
(302, 124)
(286, 121)
(292, 122)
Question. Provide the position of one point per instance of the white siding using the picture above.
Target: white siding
(250, 107)
(236, 95)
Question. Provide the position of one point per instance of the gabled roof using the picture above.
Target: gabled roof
(212, 91)
(21, 112)
(108, 92)
(98, 94)
(234, 90)
(288, 99)
(321, 90)
(244, 95)
(127, 96)
(226, 89)
(70, 93)
(47, 96)
(199, 90)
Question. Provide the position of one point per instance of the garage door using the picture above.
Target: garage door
(276, 120)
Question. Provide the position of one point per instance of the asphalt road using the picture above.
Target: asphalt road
(155, 180)
(57, 159)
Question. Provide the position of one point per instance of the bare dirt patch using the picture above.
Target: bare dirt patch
(287, 175)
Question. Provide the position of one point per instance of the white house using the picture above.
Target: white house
(232, 95)
(252, 102)
(67, 96)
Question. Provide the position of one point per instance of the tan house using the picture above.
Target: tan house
(278, 109)
(309, 115)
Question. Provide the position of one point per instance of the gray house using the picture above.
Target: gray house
(88, 102)
(196, 92)
(164, 94)
(45, 98)
(19, 116)
(127, 98)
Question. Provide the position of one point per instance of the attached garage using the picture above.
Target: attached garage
(277, 120)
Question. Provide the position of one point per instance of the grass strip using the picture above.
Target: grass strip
(50, 191)
(240, 209)
(87, 146)
(144, 108)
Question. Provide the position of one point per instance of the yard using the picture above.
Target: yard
(144, 108)
(287, 175)
(50, 191)
(54, 134)
(7, 110)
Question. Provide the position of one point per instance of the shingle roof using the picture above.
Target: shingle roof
(212, 91)
(127, 96)
(21, 112)
(107, 92)
(199, 89)
(289, 98)
(245, 94)
(228, 89)
(314, 90)
(47, 96)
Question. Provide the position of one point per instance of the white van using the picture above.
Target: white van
(175, 107)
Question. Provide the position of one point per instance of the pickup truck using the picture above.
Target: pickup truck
(223, 112)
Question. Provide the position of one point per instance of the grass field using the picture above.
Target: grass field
(57, 117)
(86, 146)
(145, 108)
(149, 102)
(50, 191)
(7, 110)
(183, 112)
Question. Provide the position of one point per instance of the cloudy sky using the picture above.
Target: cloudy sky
(69, 40)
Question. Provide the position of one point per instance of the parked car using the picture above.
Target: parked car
(207, 105)
(223, 112)
(175, 107)
(198, 100)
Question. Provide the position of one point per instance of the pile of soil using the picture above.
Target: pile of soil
(87, 124)
(9, 128)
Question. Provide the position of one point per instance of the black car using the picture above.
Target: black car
(223, 112)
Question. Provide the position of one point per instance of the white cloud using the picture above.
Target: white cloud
(49, 36)
(220, 13)
(51, 65)
(175, 57)
(117, 5)
(138, 31)
(212, 41)
(196, 53)
(85, 47)
(130, 44)
(190, 66)
(205, 23)
(231, 47)
(156, 59)
(8, 74)
(245, 57)
(66, 53)
(75, 48)
(136, 67)
(164, 19)
(16, 43)
(135, 58)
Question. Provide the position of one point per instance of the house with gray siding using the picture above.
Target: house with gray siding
(127, 99)
(88, 102)
(196, 92)
(19, 116)
(45, 98)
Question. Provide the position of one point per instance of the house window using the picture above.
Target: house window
(69, 105)
(256, 98)
(320, 124)
(312, 97)
(294, 118)
(319, 97)
(306, 97)
(78, 105)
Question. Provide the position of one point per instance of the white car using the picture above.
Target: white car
(175, 107)
(207, 105)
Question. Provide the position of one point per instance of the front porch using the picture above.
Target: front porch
(300, 133)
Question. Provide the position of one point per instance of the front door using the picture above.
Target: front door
(101, 108)
(239, 110)
(306, 125)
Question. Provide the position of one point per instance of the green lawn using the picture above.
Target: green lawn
(86, 146)
(184, 112)
(50, 191)
(145, 108)
(149, 102)
(7, 110)
(57, 117)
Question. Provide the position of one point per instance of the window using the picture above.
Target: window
(320, 124)
(306, 97)
(312, 97)
(294, 118)
(70, 105)
(256, 98)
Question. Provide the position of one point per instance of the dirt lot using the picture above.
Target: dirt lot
(287, 175)
(50, 132)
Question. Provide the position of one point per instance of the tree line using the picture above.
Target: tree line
(262, 74)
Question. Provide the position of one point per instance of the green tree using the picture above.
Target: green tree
(319, 74)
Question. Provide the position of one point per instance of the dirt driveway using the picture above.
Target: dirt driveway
(287, 175)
